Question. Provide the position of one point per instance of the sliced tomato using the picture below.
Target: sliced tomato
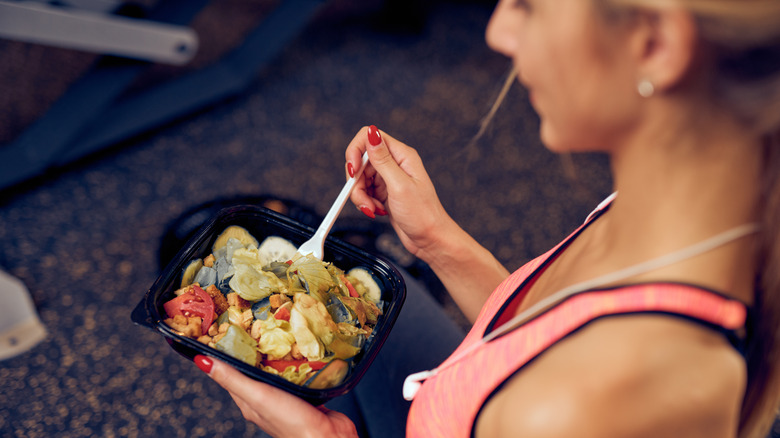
(283, 313)
(352, 292)
(194, 302)
(281, 364)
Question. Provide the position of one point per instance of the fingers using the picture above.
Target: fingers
(252, 392)
(237, 383)
(356, 148)
(385, 161)
(370, 192)
(363, 194)
(274, 410)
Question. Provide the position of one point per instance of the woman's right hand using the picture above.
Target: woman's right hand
(395, 183)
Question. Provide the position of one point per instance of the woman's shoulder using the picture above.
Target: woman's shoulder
(643, 375)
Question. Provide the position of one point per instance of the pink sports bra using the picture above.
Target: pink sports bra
(449, 402)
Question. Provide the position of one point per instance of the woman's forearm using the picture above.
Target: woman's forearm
(468, 270)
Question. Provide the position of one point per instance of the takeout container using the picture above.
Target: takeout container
(262, 222)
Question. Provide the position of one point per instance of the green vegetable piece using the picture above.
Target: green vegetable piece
(239, 344)
(251, 284)
(315, 276)
(276, 338)
(329, 376)
(319, 320)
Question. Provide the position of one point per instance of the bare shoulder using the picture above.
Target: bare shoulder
(626, 376)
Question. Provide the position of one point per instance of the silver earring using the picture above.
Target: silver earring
(645, 88)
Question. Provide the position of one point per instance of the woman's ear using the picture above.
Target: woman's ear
(665, 47)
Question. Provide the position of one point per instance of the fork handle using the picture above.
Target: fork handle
(338, 204)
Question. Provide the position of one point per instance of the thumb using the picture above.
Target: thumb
(381, 156)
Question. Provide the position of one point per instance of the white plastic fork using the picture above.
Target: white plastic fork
(315, 245)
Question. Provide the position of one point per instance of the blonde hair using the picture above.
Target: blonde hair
(744, 36)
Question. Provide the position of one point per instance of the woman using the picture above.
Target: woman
(684, 97)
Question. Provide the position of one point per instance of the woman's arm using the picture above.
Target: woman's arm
(395, 182)
(468, 270)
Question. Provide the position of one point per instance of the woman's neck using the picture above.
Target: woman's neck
(679, 186)
(707, 174)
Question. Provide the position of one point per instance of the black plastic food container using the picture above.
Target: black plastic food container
(262, 222)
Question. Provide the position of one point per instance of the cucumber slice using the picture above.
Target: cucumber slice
(189, 273)
(367, 279)
(235, 232)
(276, 249)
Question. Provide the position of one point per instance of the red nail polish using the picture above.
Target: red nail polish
(367, 211)
(380, 212)
(373, 136)
(351, 170)
(203, 362)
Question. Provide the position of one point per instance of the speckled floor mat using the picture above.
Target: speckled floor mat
(86, 240)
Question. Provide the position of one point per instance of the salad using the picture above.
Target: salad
(262, 303)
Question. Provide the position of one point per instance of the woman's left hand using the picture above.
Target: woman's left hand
(277, 412)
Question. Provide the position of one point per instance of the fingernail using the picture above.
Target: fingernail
(380, 212)
(203, 362)
(367, 211)
(351, 170)
(373, 136)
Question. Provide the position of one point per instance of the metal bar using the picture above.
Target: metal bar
(97, 32)
(178, 98)
(105, 6)
(47, 139)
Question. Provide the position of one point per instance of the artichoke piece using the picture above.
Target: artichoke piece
(352, 335)
(220, 253)
(365, 283)
(348, 342)
(315, 277)
(340, 312)
(297, 285)
(372, 312)
(233, 315)
(308, 344)
(262, 309)
(224, 285)
(236, 232)
(358, 307)
(239, 344)
(234, 245)
(277, 268)
(329, 376)
(251, 284)
(206, 277)
(312, 291)
(222, 265)
(223, 317)
(319, 321)
(189, 273)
